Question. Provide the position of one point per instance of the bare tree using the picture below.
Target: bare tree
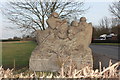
(105, 25)
(32, 14)
(105, 22)
(115, 9)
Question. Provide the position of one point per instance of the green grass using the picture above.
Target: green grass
(113, 44)
(18, 53)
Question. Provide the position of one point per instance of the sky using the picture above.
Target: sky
(98, 10)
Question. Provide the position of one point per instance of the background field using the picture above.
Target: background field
(16, 54)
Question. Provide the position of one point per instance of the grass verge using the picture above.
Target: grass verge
(16, 54)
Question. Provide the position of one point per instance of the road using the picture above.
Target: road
(103, 53)
(110, 51)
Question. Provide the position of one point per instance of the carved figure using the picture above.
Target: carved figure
(59, 41)
(73, 29)
(59, 26)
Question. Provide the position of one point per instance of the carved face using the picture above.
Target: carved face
(82, 19)
(54, 14)
(74, 23)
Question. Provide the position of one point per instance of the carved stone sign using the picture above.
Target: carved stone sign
(60, 41)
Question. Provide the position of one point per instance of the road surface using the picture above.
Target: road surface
(105, 53)
(110, 51)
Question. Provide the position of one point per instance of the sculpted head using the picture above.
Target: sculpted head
(74, 23)
(55, 15)
(82, 19)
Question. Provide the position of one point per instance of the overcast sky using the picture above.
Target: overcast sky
(98, 10)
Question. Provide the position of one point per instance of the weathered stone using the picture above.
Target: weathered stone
(73, 29)
(58, 42)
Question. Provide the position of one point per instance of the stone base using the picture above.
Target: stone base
(42, 65)
(53, 65)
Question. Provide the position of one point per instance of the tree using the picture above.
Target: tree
(115, 9)
(32, 14)
(105, 25)
(116, 29)
(95, 33)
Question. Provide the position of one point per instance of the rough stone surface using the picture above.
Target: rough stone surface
(59, 42)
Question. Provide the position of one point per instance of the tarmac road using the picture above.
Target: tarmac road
(110, 51)
(103, 53)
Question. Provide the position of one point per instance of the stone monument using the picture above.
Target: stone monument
(60, 41)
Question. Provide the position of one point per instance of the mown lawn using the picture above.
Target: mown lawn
(16, 54)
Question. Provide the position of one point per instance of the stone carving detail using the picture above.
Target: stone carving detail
(60, 41)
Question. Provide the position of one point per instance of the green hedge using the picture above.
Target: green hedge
(8, 40)
(105, 41)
